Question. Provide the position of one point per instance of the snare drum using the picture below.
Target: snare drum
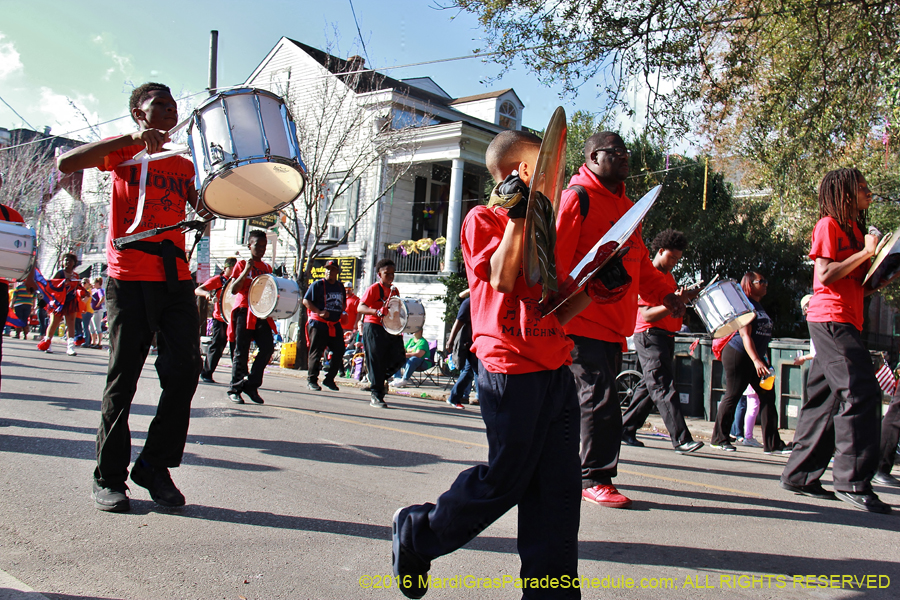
(17, 251)
(245, 151)
(274, 297)
(403, 315)
(724, 308)
(227, 301)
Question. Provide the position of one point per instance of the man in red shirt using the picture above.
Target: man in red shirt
(654, 339)
(149, 292)
(351, 312)
(213, 289)
(245, 327)
(600, 330)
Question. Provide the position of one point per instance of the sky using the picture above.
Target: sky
(54, 54)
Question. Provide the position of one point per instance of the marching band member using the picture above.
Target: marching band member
(325, 301)
(840, 415)
(245, 327)
(212, 289)
(384, 352)
(599, 332)
(149, 291)
(654, 340)
(527, 396)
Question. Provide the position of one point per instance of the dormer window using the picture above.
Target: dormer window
(508, 115)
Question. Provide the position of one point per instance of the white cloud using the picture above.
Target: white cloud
(9, 58)
(72, 121)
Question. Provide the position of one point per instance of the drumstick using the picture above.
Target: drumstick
(712, 281)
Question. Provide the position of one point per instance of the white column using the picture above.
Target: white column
(454, 215)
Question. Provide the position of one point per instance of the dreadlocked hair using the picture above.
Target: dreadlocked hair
(837, 199)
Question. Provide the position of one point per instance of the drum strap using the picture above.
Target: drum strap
(168, 251)
(5, 212)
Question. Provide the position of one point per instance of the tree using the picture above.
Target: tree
(357, 138)
(28, 175)
(795, 87)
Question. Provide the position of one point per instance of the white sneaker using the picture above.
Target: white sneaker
(70, 347)
(751, 442)
(399, 383)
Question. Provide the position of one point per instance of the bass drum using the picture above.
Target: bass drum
(274, 297)
(228, 300)
(724, 308)
(404, 315)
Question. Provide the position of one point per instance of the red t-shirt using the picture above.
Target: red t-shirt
(169, 182)
(348, 319)
(509, 336)
(215, 284)
(669, 323)
(242, 296)
(374, 298)
(576, 235)
(842, 301)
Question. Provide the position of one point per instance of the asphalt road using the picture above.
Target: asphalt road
(293, 499)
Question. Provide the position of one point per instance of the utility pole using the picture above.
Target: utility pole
(204, 267)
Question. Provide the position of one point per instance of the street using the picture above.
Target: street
(293, 499)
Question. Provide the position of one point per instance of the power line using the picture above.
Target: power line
(17, 114)
(361, 40)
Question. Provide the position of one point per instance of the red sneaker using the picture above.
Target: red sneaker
(605, 495)
(44, 344)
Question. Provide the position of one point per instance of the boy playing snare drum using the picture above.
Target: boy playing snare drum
(149, 292)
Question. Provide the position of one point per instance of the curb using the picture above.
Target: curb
(13, 589)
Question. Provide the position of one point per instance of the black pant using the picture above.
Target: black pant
(840, 415)
(135, 311)
(384, 356)
(656, 355)
(739, 373)
(216, 348)
(262, 335)
(318, 341)
(531, 422)
(595, 364)
(890, 435)
(4, 307)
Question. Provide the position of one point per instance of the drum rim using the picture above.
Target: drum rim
(32, 253)
(245, 91)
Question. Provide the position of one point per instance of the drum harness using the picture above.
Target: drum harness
(166, 249)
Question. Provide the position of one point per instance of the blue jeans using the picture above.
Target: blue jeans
(463, 386)
(412, 365)
(737, 428)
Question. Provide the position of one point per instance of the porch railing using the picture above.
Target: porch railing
(421, 262)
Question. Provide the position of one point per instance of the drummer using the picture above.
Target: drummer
(149, 291)
(12, 216)
(212, 289)
(384, 352)
(244, 327)
(325, 301)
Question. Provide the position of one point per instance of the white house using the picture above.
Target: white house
(442, 166)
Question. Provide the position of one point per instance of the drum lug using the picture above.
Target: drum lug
(216, 153)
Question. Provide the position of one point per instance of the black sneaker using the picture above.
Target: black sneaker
(254, 396)
(410, 569)
(882, 478)
(727, 447)
(207, 379)
(111, 499)
(377, 402)
(331, 385)
(235, 397)
(158, 481)
(867, 501)
(630, 440)
(314, 386)
(813, 490)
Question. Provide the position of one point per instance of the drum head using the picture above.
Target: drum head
(733, 325)
(252, 190)
(395, 316)
(263, 296)
(228, 301)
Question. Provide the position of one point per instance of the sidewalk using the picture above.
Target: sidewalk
(700, 428)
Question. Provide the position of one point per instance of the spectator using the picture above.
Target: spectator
(460, 342)
(417, 359)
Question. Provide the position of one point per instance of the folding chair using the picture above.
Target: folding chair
(432, 372)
